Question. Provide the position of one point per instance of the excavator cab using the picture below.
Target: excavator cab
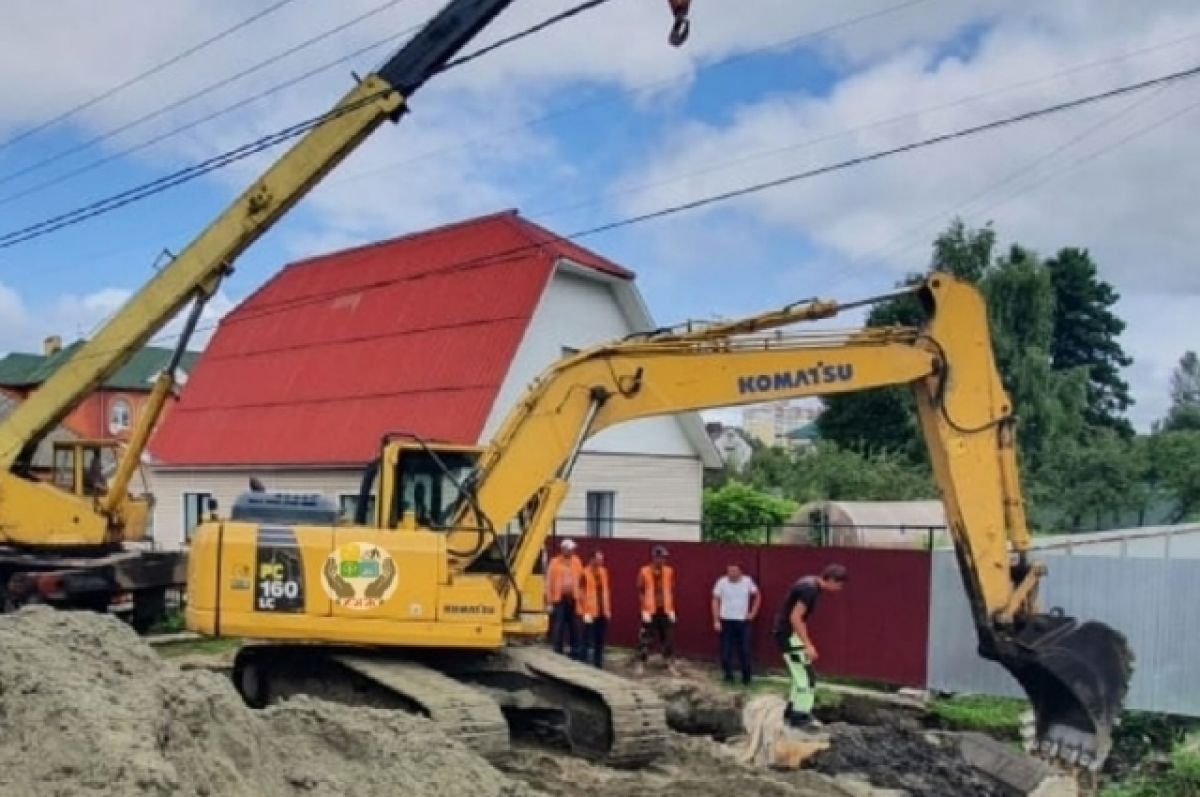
(422, 484)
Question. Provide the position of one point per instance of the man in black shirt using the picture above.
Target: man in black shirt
(791, 634)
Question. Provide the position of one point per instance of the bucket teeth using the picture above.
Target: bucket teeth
(1076, 676)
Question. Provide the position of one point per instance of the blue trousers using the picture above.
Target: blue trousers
(735, 640)
(565, 633)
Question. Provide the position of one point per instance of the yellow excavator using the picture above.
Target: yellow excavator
(75, 540)
(424, 603)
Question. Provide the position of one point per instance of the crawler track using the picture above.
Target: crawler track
(473, 697)
(602, 716)
(463, 712)
(265, 673)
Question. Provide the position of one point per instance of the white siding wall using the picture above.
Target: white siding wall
(647, 488)
(577, 312)
(227, 485)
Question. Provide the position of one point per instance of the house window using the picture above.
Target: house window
(348, 503)
(120, 416)
(194, 507)
(600, 513)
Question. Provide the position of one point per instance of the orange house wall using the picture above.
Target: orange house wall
(90, 418)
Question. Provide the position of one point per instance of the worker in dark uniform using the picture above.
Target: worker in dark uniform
(796, 644)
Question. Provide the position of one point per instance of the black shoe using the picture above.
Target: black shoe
(801, 721)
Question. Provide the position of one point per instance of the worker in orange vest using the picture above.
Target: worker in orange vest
(656, 591)
(595, 608)
(562, 593)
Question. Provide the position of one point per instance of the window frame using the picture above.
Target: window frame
(204, 497)
(597, 523)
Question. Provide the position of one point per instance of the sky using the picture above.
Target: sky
(598, 119)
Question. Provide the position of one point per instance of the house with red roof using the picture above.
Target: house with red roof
(437, 333)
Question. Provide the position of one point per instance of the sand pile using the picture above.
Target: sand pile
(89, 709)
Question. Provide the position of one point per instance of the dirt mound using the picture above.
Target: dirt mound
(700, 709)
(924, 765)
(89, 709)
(692, 766)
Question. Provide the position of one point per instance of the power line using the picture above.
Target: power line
(99, 162)
(494, 258)
(209, 89)
(877, 253)
(499, 257)
(110, 92)
(611, 99)
(146, 190)
(757, 155)
(910, 147)
(157, 139)
(554, 211)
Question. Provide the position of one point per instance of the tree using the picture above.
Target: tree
(1175, 460)
(1095, 483)
(1085, 336)
(1049, 404)
(830, 472)
(739, 513)
(885, 420)
(1185, 395)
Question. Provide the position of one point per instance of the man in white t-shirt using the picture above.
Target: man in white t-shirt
(735, 604)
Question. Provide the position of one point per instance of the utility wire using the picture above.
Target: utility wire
(910, 147)
(93, 165)
(108, 93)
(209, 89)
(558, 210)
(154, 187)
(574, 108)
(878, 252)
(516, 253)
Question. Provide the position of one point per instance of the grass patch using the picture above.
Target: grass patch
(1180, 779)
(198, 646)
(996, 716)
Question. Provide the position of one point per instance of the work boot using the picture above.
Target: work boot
(801, 720)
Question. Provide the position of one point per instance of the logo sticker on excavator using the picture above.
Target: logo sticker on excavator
(359, 575)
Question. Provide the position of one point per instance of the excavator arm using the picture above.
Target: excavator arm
(1075, 674)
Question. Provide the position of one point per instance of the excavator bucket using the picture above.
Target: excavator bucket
(1076, 675)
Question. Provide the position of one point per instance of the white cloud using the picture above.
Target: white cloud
(1127, 198)
(24, 327)
(464, 149)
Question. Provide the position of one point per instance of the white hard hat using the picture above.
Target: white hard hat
(568, 545)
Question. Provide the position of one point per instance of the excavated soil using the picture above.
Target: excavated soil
(87, 708)
(889, 750)
(921, 764)
(692, 766)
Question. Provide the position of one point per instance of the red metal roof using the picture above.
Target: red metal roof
(415, 333)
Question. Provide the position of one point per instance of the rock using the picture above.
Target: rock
(1015, 771)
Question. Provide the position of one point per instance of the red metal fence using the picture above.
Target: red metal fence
(876, 629)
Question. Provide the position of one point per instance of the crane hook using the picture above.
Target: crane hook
(682, 26)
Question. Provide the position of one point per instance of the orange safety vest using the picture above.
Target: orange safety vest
(562, 577)
(646, 585)
(594, 583)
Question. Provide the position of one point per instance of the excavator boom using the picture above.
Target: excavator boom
(1076, 675)
(465, 562)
